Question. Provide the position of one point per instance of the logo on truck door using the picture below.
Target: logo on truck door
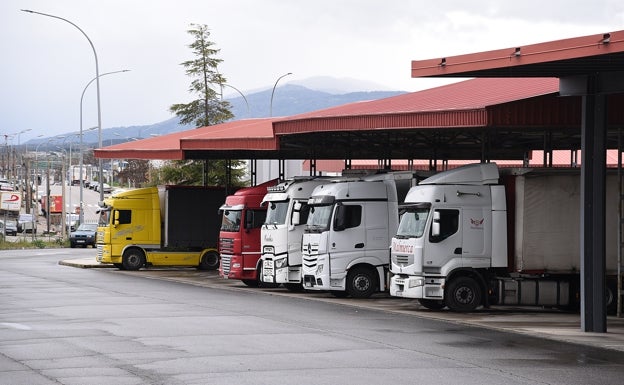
(476, 223)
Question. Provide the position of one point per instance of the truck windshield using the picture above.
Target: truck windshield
(412, 223)
(319, 218)
(276, 213)
(231, 220)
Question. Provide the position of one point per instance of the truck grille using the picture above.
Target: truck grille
(226, 245)
(309, 255)
(309, 262)
(225, 263)
(402, 260)
(100, 250)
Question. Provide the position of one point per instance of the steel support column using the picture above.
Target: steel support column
(593, 182)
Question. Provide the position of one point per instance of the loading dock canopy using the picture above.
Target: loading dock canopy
(496, 116)
(492, 118)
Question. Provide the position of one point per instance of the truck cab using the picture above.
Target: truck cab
(239, 237)
(345, 241)
(287, 205)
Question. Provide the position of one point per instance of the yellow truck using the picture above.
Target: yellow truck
(161, 226)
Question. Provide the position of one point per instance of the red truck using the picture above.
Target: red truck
(239, 238)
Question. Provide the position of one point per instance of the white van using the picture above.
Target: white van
(26, 223)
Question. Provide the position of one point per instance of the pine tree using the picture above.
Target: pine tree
(208, 109)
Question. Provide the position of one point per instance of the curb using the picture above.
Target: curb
(85, 263)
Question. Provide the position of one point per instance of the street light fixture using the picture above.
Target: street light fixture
(237, 90)
(97, 83)
(273, 92)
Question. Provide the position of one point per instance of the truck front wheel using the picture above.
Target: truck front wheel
(209, 261)
(133, 259)
(361, 282)
(463, 294)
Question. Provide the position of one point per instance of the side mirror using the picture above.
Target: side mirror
(116, 218)
(435, 226)
(296, 215)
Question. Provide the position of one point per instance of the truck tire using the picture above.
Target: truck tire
(361, 282)
(432, 304)
(209, 261)
(463, 294)
(133, 259)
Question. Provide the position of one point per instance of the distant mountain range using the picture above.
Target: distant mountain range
(289, 99)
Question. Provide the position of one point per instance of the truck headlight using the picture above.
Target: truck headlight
(319, 269)
(416, 282)
(279, 263)
(268, 250)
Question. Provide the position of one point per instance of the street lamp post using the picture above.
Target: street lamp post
(97, 84)
(81, 215)
(273, 92)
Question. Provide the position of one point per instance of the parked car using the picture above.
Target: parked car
(105, 188)
(27, 223)
(10, 227)
(83, 236)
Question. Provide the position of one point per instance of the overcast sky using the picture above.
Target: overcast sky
(46, 63)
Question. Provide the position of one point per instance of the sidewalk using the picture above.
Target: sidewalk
(536, 322)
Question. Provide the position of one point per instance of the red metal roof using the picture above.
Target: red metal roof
(159, 147)
(248, 134)
(256, 134)
(568, 57)
(461, 104)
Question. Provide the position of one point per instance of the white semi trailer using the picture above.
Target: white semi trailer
(471, 237)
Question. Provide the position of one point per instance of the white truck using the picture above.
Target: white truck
(470, 237)
(287, 213)
(346, 238)
(75, 177)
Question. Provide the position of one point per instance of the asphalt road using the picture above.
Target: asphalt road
(63, 325)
